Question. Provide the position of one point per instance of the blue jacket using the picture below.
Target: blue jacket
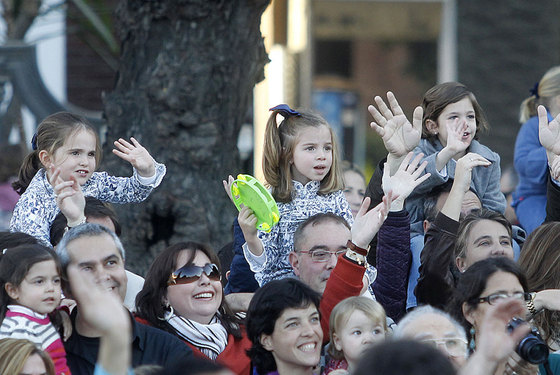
(485, 181)
(529, 160)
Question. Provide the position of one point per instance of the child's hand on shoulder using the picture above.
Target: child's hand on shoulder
(66, 324)
(137, 155)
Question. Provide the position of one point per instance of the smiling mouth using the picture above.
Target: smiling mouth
(82, 172)
(204, 295)
(310, 347)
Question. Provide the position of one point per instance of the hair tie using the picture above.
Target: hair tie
(535, 90)
(285, 110)
(34, 142)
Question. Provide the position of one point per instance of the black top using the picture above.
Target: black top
(149, 346)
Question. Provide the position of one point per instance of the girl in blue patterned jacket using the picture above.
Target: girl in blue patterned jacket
(301, 166)
(66, 152)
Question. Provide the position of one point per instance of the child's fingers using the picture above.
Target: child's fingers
(383, 109)
(397, 110)
(417, 118)
(364, 207)
(124, 143)
(135, 142)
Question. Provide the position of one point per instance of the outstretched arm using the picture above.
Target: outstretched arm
(134, 153)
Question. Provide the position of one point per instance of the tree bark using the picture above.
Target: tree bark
(184, 85)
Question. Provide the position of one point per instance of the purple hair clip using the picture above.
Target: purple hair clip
(535, 90)
(285, 110)
(34, 142)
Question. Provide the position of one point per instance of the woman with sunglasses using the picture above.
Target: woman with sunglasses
(183, 295)
(488, 283)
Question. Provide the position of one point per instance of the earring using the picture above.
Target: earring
(169, 311)
(472, 344)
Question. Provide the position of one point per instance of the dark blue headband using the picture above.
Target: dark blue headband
(34, 142)
(285, 110)
(535, 90)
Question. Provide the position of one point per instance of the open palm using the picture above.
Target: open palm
(398, 134)
(549, 133)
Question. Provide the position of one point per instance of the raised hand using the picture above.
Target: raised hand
(549, 133)
(367, 223)
(405, 180)
(398, 134)
(455, 141)
(464, 167)
(227, 186)
(69, 197)
(136, 155)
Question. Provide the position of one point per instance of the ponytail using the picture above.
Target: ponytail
(528, 109)
(542, 93)
(276, 166)
(31, 164)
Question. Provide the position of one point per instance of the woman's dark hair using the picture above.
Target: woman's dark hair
(51, 134)
(15, 263)
(440, 96)
(268, 303)
(150, 300)
(404, 357)
(540, 260)
(473, 281)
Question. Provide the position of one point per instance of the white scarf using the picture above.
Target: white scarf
(211, 339)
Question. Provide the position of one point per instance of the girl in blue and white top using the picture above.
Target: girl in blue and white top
(66, 152)
(301, 166)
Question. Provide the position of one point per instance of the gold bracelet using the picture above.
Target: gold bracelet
(530, 305)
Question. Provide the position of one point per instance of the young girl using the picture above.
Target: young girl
(355, 324)
(451, 124)
(66, 150)
(30, 277)
(300, 163)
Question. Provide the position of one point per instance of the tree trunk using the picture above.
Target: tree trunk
(184, 86)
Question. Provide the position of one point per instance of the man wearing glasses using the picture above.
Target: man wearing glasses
(96, 250)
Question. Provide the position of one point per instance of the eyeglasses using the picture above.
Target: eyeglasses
(320, 256)
(455, 347)
(495, 298)
(192, 273)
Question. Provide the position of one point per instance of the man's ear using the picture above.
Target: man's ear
(45, 158)
(426, 225)
(293, 258)
(460, 263)
(432, 126)
(266, 342)
(12, 290)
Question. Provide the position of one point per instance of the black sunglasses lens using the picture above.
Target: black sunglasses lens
(191, 273)
(212, 271)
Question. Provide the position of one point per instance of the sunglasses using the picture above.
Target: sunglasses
(192, 273)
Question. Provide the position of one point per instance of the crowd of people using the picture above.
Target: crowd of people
(417, 272)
